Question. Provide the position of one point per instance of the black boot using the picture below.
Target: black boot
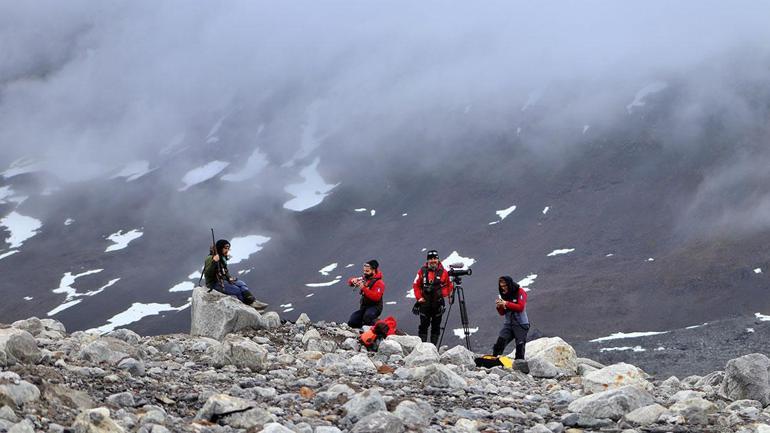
(434, 339)
(499, 346)
(248, 298)
(423, 337)
(520, 349)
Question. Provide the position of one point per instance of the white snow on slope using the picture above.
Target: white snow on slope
(21, 228)
(349, 265)
(309, 193)
(528, 281)
(255, 164)
(286, 305)
(133, 170)
(327, 284)
(185, 286)
(244, 246)
(457, 258)
(194, 275)
(121, 240)
(8, 253)
(328, 268)
(622, 349)
(622, 335)
(28, 298)
(758, 270)
(762, 317)
(649, 89)
(391, 303)
(697, 326)
(174, 146)
(65, 286)
(202, 174)
(21, 166)
(560, 252)
(68, 221)
(136, 312)
(505, 212)
(288, 310)
(460, 332)
(5, 192)
(211, 137)
(360, 209)
(310, 295)
(546, 209)
(410, 294)
(372, 212)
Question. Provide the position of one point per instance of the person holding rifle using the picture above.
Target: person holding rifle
(218, 276)
(371, 287)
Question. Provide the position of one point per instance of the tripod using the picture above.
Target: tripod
(460, 293)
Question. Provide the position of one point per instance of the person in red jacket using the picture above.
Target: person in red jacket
(431, 286)
(512, 304)
(371, 287)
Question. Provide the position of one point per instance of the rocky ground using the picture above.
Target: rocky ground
(264, 375)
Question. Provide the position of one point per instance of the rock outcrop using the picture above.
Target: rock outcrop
(215, 315)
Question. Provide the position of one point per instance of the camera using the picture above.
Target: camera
(455, 270)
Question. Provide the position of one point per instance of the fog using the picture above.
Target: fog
(90, 86)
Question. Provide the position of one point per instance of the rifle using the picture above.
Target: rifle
(219, 265)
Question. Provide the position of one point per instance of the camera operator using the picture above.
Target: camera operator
(371, 287)
(431, 286)
(512, 304)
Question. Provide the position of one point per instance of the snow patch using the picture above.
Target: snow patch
(750, 330)
(360, 209)
(202, 174)
(309, 193)
(194, 275)
(546, 209)
(8, 253)
(762, 317)
(528, 281)
(285, 305)
(288, 310)
(349, 265)
(460, 332)
(21, 228)
(5, 192)
(650, 259)
(28, 298)
(697, 326)
(493, 223)
(244, 246)
(391, 303)
(185, 286)
(758, 270)
(467, 262)
(121, 240)
(326, 284)
(255, 164)
(505, 212)
(404, 214)
(21, 166)
(68, 221)
(136, 312)
(532, 100)
(133, 170)
(560, 252)
(410, 294)
(647, 90)
(609, 255)
(585, 128)
(65, 286)
(659, 348)
(309, 295)
(328, 268)
(622, 335)
(372, 212)
(622, 349)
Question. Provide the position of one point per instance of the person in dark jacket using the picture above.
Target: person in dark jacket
(371, 287)
(431, 286)
(218, 276)
(512, 304)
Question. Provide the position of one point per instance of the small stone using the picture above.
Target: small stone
(362, 404)
(379, 422)
(123, 399)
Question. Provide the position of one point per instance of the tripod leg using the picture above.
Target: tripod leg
(464, 318)
(443, 327)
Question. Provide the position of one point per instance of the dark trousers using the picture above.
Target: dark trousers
(430, 317)
(364, 316)
(238, 289)
(510, 332)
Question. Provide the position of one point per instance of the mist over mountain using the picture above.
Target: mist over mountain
(632, 140)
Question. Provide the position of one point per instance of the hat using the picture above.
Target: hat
(374, 264)
(432, 254)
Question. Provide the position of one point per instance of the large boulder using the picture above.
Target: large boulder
(459, 355)
(215, 315)
(16, 392)
(554, 351)
(407, 342)
(613, 403)
(615, 376)
(108, 350)
(362, 404)
(96, 421)
(441, 376)
(415, 414)
(18, 346)
(747, 378)
(235, 412)
(694, 410)
(379, 422)
(423, 354)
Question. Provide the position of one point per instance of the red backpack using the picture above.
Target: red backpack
(378, 332)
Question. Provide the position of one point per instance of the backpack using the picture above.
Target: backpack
(378, 332)
(489, 361)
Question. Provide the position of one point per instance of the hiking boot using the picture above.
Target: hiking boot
(521, 365)
(259, 305)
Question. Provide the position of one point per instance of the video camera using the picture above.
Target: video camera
(456, 270)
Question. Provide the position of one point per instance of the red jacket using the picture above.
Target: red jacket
(371, 291)
(518, 306)
(446, 283)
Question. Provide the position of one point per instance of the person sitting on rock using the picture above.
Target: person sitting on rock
(512, 304)
(218, 276)
(371, 287)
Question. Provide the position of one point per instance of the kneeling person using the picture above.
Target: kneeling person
(371, 287)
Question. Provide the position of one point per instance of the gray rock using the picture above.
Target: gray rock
(24, 426)
(615, 376)
(423, 354)
(538, 428)
(440, 376)
(379, 422)
(215, 315)
(303, 319)
(713, 379)
(253, 414)
(670, 385)
(613, 403)
(694, 410)
(33, 325)
(327, 429)
(271, 320)
(360, 363)
(541, 367)
(334, 392)
(407, 342)
(153, 428)
(321, 345)
(509, 412)
(96, 421)
(685, 395)
(240, 352)
(747, 378)
(15, 391)
(646, 415)
(109, 350)
(133, 366)
(414, 415)
(122, 399)
(555, 427)
(362, 404)
(274, 427)
(310, 334)
(18, 346)
(256, 417)
(390, 347)
(126, 335)
(7, 413)
(556, 352)
(459, 355)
